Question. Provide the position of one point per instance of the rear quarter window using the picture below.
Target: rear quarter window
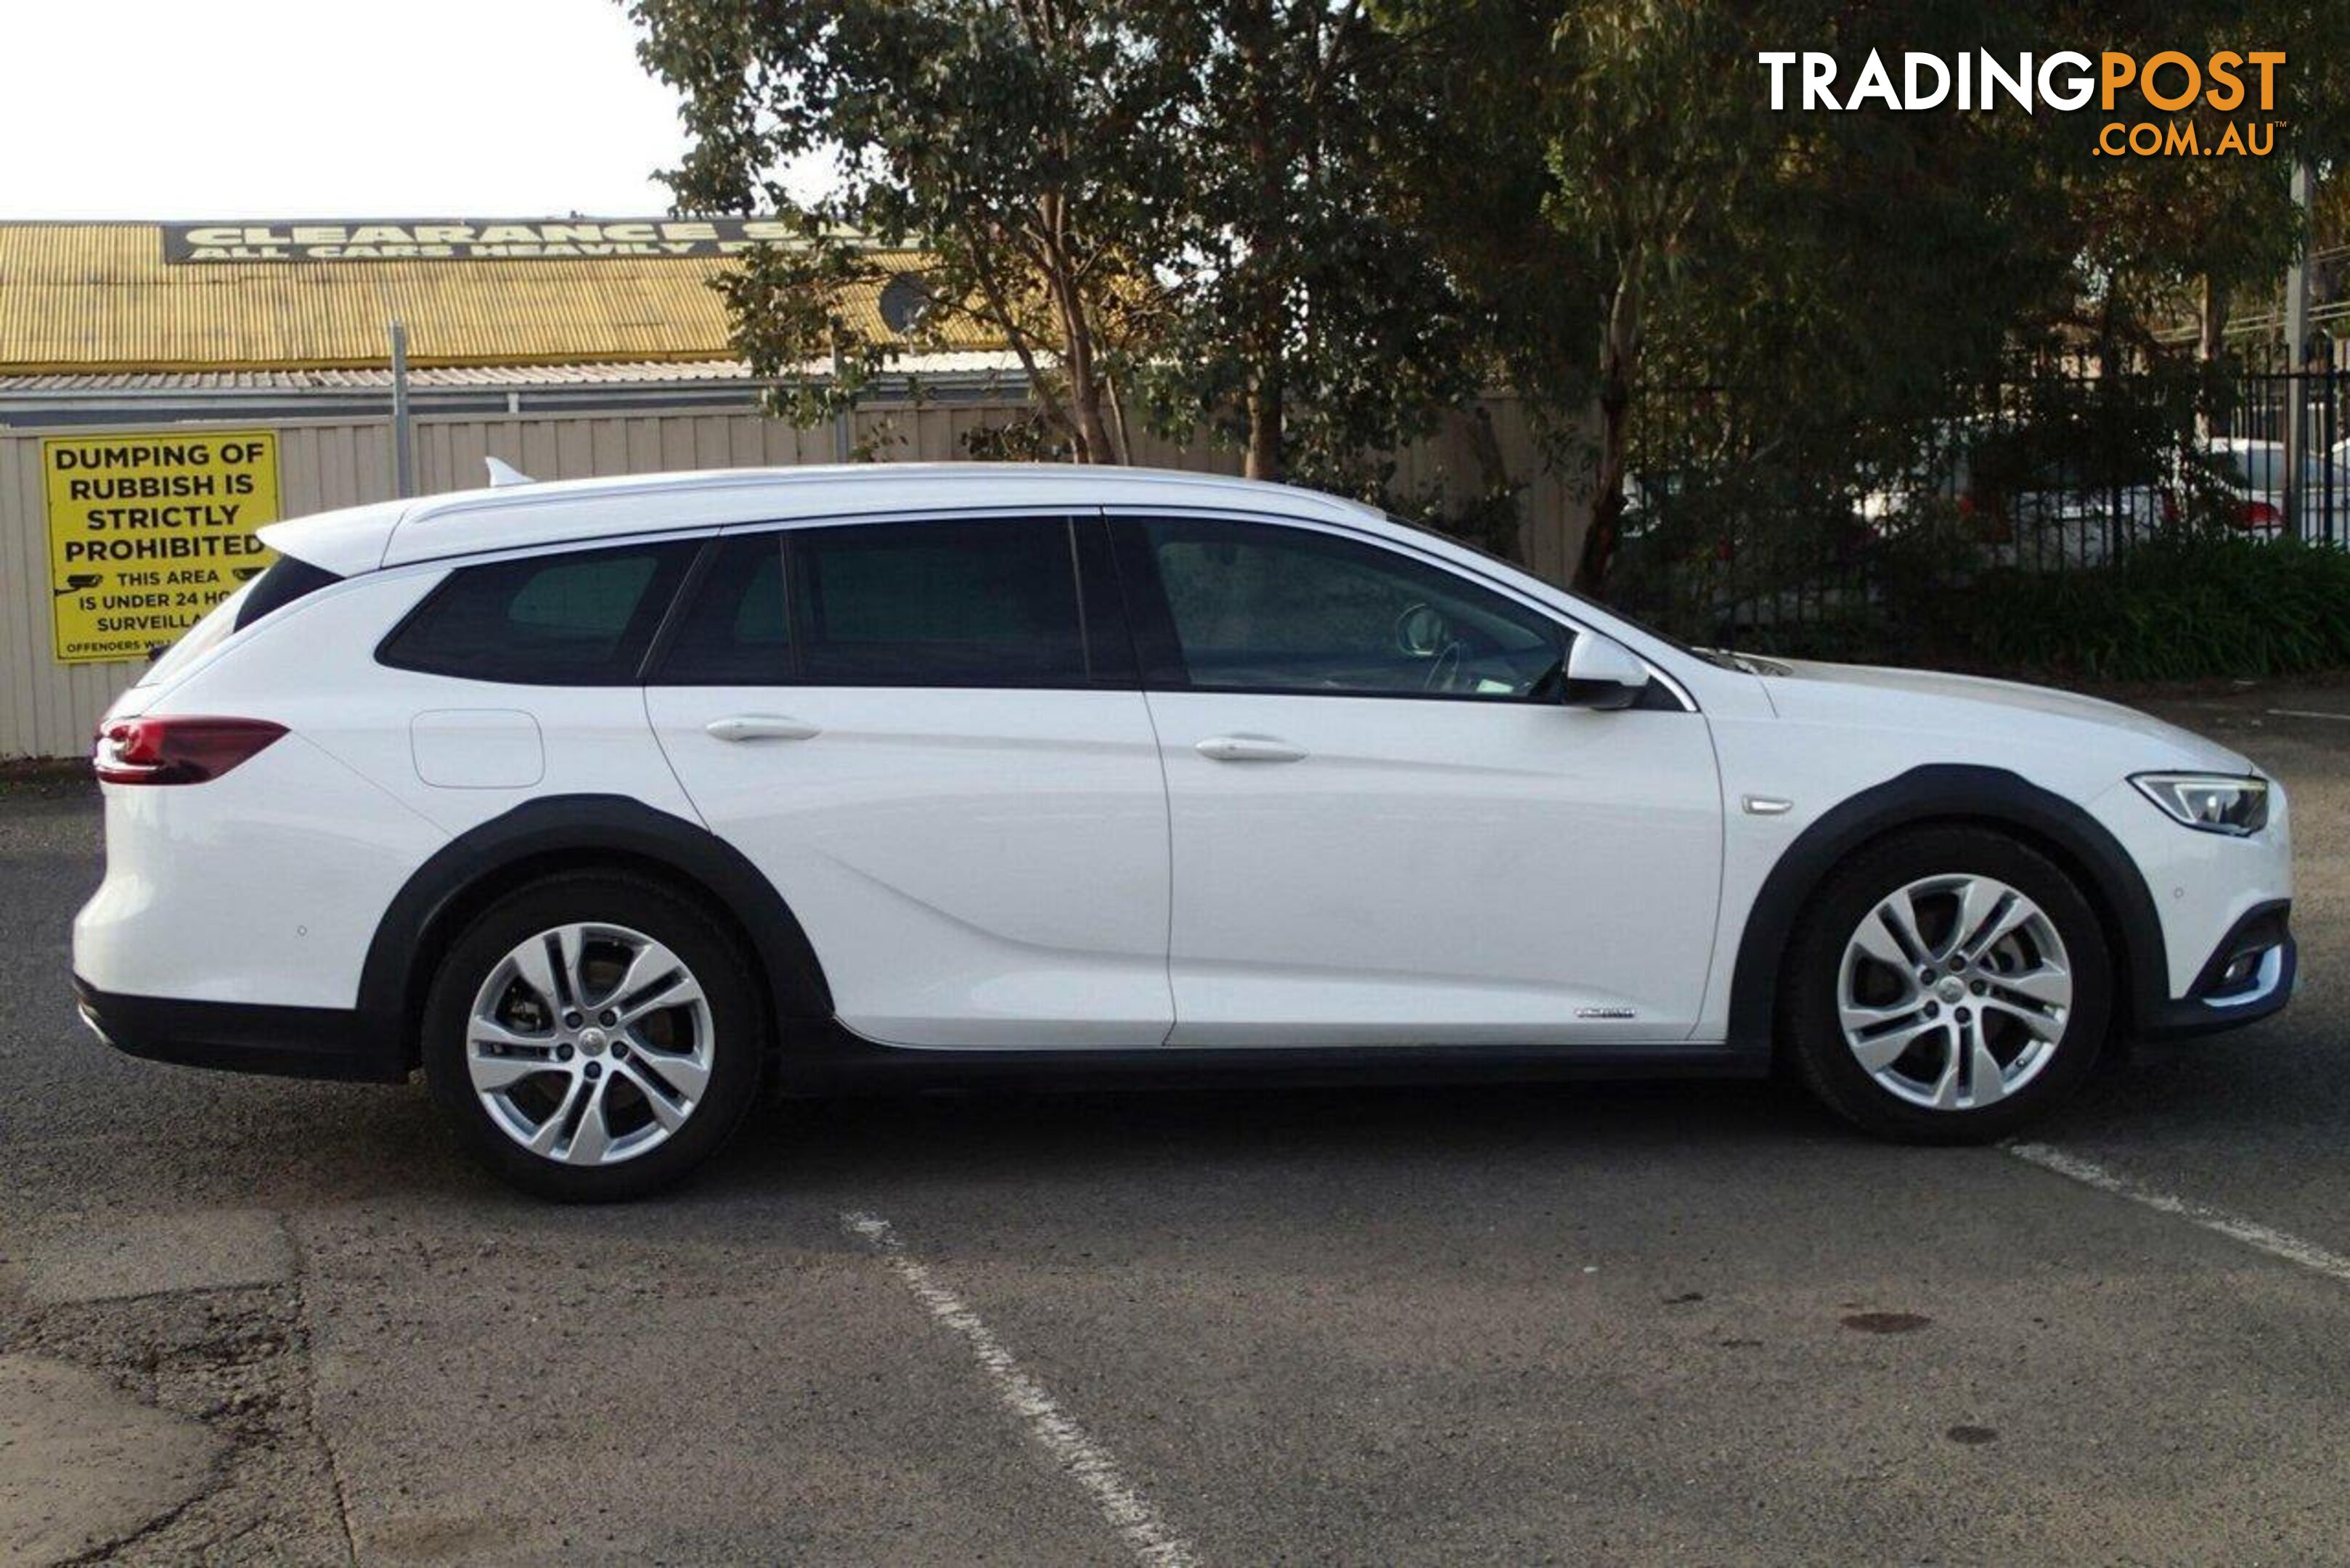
(284, 581)
(582, 618)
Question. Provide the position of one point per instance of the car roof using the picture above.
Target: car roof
(516, 516)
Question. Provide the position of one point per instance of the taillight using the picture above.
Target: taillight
(2257, 515)
(176, 751)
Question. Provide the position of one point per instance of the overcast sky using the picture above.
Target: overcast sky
(286, 109)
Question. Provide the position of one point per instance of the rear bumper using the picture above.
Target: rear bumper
(2249, 976)
(243, 1037)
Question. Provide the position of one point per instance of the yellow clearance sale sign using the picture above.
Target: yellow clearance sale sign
(148, 532)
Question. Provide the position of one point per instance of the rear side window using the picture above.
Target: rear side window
(580, 618)
(982, 602)
(733, 628)
(276, 587)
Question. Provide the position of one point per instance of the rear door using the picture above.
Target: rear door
(1387, 827)
(928, 734)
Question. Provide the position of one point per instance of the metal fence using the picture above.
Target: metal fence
(1817, 539)
(47, 707)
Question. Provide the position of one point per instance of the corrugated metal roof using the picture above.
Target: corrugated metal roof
(619, 373)
(83, 297)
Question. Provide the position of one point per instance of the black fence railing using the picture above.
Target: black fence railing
(1814, 541)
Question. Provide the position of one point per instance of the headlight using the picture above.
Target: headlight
(2214, 802)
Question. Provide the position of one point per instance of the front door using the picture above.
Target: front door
(1386, 826)
(921, 734)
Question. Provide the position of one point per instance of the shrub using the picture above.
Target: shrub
(2173, 609)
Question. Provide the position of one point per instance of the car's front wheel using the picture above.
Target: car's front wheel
(1947, 984)
(592, 1037)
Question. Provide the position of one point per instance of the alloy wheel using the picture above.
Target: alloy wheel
(590, 1044)
(1954, 991)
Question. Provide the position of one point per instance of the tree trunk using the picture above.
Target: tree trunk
(1264, 423)
(2210, 322)
(1087, 431)
(1619, 355)
(2210, 338)
(1090, 434)
(1600, 540)
(1252, 27)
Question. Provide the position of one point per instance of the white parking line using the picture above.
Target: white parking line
(2308, 713)
(2267, 1239)
(1127, 1510)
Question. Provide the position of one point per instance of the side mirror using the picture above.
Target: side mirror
(1602, 673)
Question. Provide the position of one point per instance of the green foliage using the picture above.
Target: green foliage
(1640, 217)
(2172, 610)
(1182, 208)
(1309, 320)
(1314, 229)
(2193, 605)
(1013, 141)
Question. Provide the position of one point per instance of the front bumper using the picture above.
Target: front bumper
(2249, 976)
(243, 1037)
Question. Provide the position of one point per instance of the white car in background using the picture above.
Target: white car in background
(2017, 496)
(2051, 516)
(608, 803)
(2255, 471)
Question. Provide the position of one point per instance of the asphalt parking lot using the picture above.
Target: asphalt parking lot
(245, 1318)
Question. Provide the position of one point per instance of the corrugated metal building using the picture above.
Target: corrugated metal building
(566, 359)
(96, 322)
(603, 361)
(79, 298)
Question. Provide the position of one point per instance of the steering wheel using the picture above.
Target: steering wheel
(1444, 669)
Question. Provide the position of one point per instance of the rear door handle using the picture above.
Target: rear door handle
(762, 727)
(1248, 749)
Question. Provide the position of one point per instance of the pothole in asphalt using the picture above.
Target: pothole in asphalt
(227, 1369)
(84, 1465)
(1886, 1322)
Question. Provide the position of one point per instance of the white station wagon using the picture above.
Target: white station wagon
(605, 804)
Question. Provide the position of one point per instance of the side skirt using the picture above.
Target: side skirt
(833, 1060)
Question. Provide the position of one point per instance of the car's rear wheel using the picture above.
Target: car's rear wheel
(592, 1037)
(1947, 984)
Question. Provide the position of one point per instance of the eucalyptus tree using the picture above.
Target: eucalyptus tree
(1016, 143)
(1311, 321)
(1179, 210)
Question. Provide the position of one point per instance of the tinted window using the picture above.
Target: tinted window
(1260, 607)
(286, 580)
(733, 628)
(578, 618)
(980, 603)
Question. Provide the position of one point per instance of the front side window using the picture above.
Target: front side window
(582, 618)
(1257, 607)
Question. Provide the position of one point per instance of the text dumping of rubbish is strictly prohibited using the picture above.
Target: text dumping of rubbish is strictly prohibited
(150, 531)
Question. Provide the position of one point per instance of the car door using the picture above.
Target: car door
(1386, 826)
(927, 732)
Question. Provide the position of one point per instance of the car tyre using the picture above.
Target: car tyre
(593, 1037)
(1989, 1004)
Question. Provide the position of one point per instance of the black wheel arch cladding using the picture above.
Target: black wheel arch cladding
(589, 829)
(1959, 793)
(582, 831)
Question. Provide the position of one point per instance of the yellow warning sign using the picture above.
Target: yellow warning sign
(148, 532)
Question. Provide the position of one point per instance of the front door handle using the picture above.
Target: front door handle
(1248, 749)
(762, 727)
